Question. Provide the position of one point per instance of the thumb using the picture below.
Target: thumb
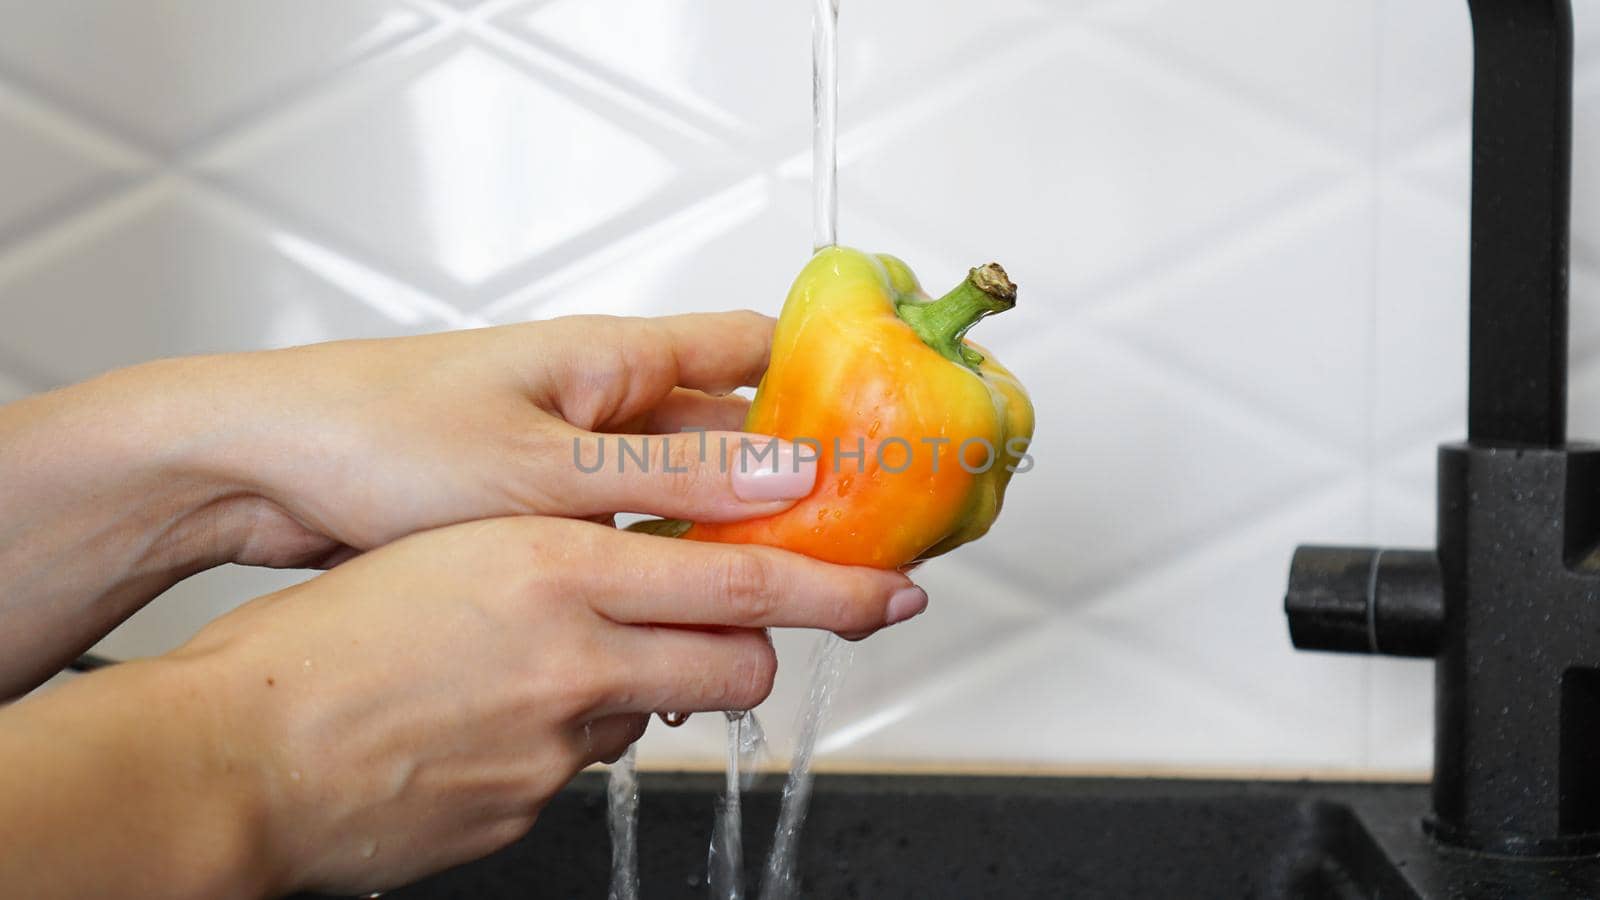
(705, 476)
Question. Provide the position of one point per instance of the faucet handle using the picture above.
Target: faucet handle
(1365, 600)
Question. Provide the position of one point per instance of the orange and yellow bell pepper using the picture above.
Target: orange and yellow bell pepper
(916, 430)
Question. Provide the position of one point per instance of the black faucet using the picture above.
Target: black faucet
(1508, 605)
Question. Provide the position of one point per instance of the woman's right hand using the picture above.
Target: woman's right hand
(415, 707)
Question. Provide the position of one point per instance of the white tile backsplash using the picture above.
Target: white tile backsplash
(166, 270)
(166, 72)
(497, 168)
(47, 163)
(1240, 227)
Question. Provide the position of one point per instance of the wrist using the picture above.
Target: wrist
(159, 432)
(129, 782)
(112, 503)
(222, 764)
(250, 720)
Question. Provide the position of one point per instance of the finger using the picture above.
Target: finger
(611, 371)
(684, 409)
(660, 581)
(709, 476)
(686, 670)
(606, 739)
(714, 352)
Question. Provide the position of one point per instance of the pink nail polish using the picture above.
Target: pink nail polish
(763, 471)
(905, 603)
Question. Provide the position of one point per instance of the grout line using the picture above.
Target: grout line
(1095, 590)
(599, 90)
(223, 127)
(307, 91)
(716, 213)
(104, 189)
(708, 124)
(1173, 276)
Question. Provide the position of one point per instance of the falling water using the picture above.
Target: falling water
(622, 816)
(725, 860)
(830, 661)
(725, 863)
(825, 123)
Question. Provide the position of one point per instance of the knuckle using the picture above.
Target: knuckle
(862, 609)
(589, 678)
(747, 587)
(687, 481)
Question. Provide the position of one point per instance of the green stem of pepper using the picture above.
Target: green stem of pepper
(943, 323)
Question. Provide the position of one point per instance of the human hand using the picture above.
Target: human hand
(348, 445)
(416, 707)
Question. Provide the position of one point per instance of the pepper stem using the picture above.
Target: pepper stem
(942, 323)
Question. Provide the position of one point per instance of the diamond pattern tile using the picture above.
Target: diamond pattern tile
(975, 610)
(46, 164)
(1291, 300)
(1240, 227)
(1152, 462)
(1421, 303)
(163, 273)
(1424, 70)
(1139, 170)
(471, 139)
(1068, 693)
(746, 66)
(737, 249)
(1323, 60)
(168, 71)
(1403, 491)
(1231, 596)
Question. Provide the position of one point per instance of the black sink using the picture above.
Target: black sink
(875, 836)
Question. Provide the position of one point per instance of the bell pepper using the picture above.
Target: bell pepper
(916, 430)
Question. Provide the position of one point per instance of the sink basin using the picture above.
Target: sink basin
(879, 836)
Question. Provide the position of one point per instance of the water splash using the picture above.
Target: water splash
(622, 817)
(830, 661)
(752, 748)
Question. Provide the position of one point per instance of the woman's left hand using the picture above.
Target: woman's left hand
(350, 445)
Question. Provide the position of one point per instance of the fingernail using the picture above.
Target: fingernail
(771, 470)
(905, 603)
